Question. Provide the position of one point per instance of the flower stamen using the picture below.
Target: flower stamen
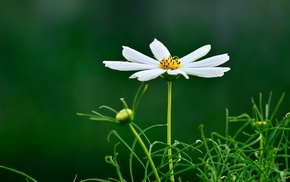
(170, 63)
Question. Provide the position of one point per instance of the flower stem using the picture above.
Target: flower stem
(171, 172)
(263, 176)
(146, 152)
(18, 172)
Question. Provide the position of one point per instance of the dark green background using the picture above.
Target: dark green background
(51, 67)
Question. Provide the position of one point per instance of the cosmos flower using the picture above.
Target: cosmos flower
(167, 66)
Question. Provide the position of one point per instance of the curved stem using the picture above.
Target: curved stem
(146, 152)
(171, 172)
(19, 172)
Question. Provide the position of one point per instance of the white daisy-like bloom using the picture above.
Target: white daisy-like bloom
(167, 66)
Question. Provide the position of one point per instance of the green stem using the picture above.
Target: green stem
(18, 172)
(146, 152)
(262, 178)
(261, 146)
(169, 130)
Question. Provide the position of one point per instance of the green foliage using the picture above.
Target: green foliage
(252, 153)
(258, 151)
(262, 154)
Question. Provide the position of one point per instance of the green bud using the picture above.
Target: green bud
(260, 125)
(124, 116)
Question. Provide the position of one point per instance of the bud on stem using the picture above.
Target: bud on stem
(124, 116)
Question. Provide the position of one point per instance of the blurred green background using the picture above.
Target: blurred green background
(51, 67)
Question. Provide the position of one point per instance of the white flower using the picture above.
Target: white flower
(169, 66)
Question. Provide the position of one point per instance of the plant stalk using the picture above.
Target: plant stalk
(146, 152)
(171, 172)
(19, 172)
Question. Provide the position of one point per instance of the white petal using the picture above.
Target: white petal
(195, 54)
(148, 74)
(137, 57)
(159, 50)
(127, 66)
(209, 62)
(176, 72)
(209, 72)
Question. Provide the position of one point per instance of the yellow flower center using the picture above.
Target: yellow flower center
(170, 63)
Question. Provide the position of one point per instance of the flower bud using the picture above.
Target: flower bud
(124, 116)
(260, 125)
